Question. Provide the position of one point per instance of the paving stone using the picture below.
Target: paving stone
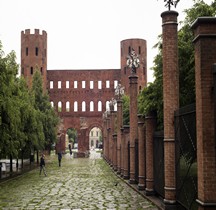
(80, 183)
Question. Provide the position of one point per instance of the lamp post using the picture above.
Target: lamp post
(133, 63)
(119, 92)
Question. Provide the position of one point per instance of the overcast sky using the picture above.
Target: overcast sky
(85, 34)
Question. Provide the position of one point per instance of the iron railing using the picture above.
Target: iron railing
(186, 158)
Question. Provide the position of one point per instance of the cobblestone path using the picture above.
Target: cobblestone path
(80, 183)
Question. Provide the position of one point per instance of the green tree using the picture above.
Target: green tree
(72, 135)
(126, 109)
(46, 117)
(9, 109)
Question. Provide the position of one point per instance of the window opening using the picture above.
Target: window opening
(59, 106)
(75, 84)
(115, 83)
(99, 106)
(91, 106)
(26, 51)
(67, 84)
(107, 84)
(51, 84)
(59, 84)
(91, 84)
(99, 84)
(107, 106)
(67, 106)
(75, 106)
(36, 51)
(31, 70)
(83, 106)
(83, 84)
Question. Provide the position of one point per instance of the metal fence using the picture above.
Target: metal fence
(186, 158)
(136, 161)
(158, 149)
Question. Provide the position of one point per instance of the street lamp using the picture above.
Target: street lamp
(133, 61)
(112, 104)
(119, 91)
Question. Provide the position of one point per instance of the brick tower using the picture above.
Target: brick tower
(34, 55)
(139, 45)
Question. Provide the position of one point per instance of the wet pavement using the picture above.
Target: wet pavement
(80, 183)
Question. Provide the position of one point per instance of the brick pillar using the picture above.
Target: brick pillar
(104, 139)
(205, 56)
(171, 101)
(108, 137)
(150, 122)
(115, 152)
(112, 125)
(126, 151)
(119, 134)
(133, 125)
(141, 143)
(122, 152)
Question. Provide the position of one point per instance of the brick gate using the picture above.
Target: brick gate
(80, 97)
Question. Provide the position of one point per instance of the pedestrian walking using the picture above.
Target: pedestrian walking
(42, 164)
(59, 158)
(70, 149)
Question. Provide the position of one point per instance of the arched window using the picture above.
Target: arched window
(75, 106)
(99, 106)
(59, 106)
(115, 107)
(67, 106)
(107, 105)
(83, 106)
(52, 103)
(91, 106)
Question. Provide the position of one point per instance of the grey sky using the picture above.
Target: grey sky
(85, 34)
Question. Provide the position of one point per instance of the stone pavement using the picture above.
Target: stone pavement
(80, 183)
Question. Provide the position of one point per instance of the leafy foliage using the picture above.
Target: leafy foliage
(72, 135)
(27, 120)
(126, 109)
